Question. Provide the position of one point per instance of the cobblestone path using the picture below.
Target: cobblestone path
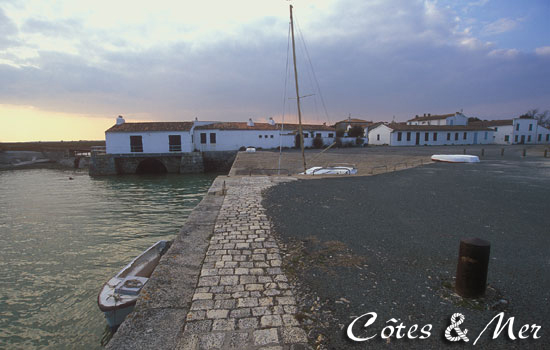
(243, 299)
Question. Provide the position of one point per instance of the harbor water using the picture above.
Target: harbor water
(63, 234)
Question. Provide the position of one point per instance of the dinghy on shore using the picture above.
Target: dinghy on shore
(455, 158)
(118, 296)
(336, 169)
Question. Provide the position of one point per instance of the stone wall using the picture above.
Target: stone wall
(220, 161)
(191, 163)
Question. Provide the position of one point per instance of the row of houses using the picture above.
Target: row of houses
(448, 129)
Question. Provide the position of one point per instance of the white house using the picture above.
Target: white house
(379, 134)
(174, 137)
(226, 136)
(347, 124)
(151, 137)
(543, 135)
(430, 135)
(445, 119)
(522, 130)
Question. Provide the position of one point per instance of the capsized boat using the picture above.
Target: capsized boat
(335, 169)
(455, 158)
(118, 296)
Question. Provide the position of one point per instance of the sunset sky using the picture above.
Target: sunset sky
(68, 68)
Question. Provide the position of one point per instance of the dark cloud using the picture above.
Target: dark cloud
(404, 61)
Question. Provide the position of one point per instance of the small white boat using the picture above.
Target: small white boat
(455, 158)
(118, 296)
(336, 169)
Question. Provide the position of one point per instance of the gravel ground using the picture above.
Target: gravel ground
(389, 244)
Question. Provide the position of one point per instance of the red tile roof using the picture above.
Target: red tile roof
(490, 123)
(151, 126)
(262, 126)
(404, 127)
(431, 117)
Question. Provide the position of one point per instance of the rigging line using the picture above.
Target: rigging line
(315, 76)
(308, 71)
(284, 99)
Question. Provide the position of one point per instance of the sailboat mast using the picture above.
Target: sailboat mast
(297, 92)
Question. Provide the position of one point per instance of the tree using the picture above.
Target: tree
(543, 118)
(318, 142)
(356, 131)
(340, 132)
(473, 119)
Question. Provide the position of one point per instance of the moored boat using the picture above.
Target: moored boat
(118, 296)
(455, 158)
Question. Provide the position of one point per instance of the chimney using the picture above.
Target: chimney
(120, 120)
(417, 116)
(429, 114)
(250, 122)
(271, 121)
(424, 114)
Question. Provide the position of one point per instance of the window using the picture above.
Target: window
(306, 135)
(260, 136)
(496, 129)
(377, 137)
(540, 137)
(547, 137)
(507, 138)
(426, 136)
(408, 135)
(399, 136)
(465, 135)
(213, 137)
(318, 135)
(448, 136)
(271, 136)
(529, 138)
(452, 122)
(174, 143)
(203, 138)
(136, 144)
(435, 136)
(530, 127)
(456, 136)
(516, 138)
(517, 127)
(330, 134)
(486, 135)
(266, 136)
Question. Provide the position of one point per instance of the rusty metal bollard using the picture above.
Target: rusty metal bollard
(545, 153)
(464, 150)
(524, 152)
(471, 271)
(482, 152)
(502, 152)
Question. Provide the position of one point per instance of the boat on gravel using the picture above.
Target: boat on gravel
(455, 158)
(118, 296)
(336, 169)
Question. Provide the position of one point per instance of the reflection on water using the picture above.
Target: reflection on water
(61, 239)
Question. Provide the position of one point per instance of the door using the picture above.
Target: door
(475, 138)
(522, 139)
(417, 138)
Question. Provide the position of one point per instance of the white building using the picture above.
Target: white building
(444, 119)
(521, 130)
(430, 135)
(174, 137)
(347, 124)
(226, 136)
(153, 137)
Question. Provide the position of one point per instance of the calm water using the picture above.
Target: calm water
(61, 239)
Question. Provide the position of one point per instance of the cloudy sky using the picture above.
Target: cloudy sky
(68, 67)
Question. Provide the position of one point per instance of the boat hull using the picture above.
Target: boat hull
(455, 158)
(114, 318)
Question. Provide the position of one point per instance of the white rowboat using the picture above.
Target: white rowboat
(118, 296)
(455, 158)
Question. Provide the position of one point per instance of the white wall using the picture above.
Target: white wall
(544, 135)
(483, 137)
(521, 128)
(501, 132)
(379, 135)
(457, 119)
(153, 142)
(232, 140)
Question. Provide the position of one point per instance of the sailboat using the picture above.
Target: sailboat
(341, 169)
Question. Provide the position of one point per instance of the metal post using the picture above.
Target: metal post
(464, 150)
(482, 152)
(524, 152)
(471, 271)
(545, 153)
(502, 152)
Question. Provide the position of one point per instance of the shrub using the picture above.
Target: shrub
(356, 131)
(359, 141)
(338, 142)
(318, 142)
(242, 149)
(340, 132)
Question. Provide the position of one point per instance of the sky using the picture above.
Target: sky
(68, 68)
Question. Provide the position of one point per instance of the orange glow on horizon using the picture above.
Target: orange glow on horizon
(26, 123)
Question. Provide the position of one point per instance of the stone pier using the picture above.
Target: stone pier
(220, 286)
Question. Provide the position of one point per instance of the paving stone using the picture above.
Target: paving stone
(271, 321)
(294, 335)
(248, 323)
(212, 341)
(265, 336)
